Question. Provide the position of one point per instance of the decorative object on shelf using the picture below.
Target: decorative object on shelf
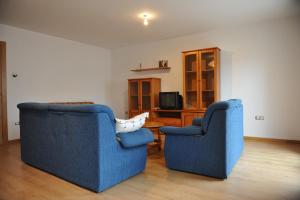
(160, 63)
(211, 64)
(163, 63)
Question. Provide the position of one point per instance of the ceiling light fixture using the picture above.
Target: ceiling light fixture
(146, 22)
(146, 16)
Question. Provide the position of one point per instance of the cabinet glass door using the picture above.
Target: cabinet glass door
(134, 96)
(146, 96)
(190, 85)
(207, 65)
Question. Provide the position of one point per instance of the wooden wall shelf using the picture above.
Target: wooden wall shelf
(151, 69)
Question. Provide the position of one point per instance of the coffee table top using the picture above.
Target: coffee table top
(153, 124)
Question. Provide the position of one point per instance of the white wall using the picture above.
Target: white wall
(52, 69)
(260, 65)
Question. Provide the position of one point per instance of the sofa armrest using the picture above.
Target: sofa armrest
(136, 138)
(186, 131)
(197, 121)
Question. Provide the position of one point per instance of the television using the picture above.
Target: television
(170, 101)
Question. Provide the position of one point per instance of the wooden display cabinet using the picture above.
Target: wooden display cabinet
(201, 75)
(143, 95)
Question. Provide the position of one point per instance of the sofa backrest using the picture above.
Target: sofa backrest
(82, 108)
(221, 105)
(67, 139)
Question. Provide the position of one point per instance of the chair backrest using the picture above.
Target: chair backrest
(221, 105)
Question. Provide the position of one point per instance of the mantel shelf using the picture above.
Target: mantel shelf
(151, 69)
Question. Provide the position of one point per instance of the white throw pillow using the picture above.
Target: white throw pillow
(130, 125)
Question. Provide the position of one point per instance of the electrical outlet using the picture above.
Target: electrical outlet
(259, 117)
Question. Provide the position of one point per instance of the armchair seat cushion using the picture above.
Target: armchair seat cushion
(197, 122)
(136, 138)
(188, 130)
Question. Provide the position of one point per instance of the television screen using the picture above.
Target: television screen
(169, 100)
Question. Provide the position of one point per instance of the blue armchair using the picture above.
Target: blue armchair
(79, 144)
(212, 145)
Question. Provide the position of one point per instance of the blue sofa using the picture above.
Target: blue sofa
(79, 144)
(212, 145)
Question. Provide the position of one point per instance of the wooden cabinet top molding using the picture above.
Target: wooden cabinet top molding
(205, 49)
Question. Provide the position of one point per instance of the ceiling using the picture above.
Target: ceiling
(114, 23)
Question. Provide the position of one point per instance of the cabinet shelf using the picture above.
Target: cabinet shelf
(151, 69)
(190, 71)
(191, 91)
(208, 70)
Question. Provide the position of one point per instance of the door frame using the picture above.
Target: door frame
(3, 96)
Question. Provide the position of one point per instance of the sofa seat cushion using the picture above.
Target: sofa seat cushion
(136, 138)
(188, 130)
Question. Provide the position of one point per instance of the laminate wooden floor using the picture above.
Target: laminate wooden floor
(265, 171)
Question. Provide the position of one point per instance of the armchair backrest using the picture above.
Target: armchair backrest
(221, 105)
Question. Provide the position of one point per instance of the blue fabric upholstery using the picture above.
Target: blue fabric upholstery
(82, 108)
(188, 130)
(222, 105)
(136, 138)
(197, 122)
(77, 143)
(216, 151)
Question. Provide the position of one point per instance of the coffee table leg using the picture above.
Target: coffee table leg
(159, 140)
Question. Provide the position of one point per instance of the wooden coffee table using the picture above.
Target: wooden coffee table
(154, 127)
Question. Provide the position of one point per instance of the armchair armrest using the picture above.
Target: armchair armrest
(197, 122)
(186, 131)
(136, 138)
